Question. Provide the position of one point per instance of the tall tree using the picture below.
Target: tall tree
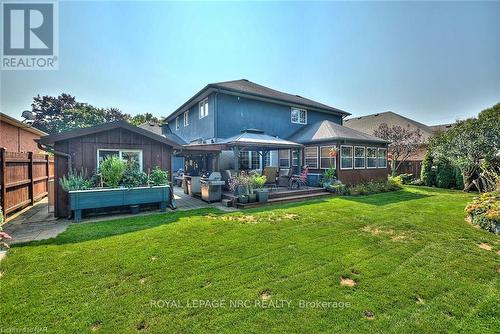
(473, 146)
(145, 118)
(48, 111)
(404, 142)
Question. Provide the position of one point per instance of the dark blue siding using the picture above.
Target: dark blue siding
(197, 128)
(236, 114)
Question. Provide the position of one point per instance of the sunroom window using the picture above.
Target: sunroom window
(346, 157)
(382, 158)
(311, 157)
(295, 158)
(326, 158)
(371, 157)
(359, 157)
(299, 116)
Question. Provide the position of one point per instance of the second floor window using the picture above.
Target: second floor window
(177, 123)
(204, 108)
(186, 118)
(299, 116)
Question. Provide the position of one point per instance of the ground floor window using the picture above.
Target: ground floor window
(382, 158)
(284, 158)
(371, 157)
(346, 157)
(250, 160)
(359, 157)
(132, 157)
(295, 158)
(326, 157)
(311, 157)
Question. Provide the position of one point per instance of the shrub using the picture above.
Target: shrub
(112, 170)
(133, 177)
(445, 175)
(484, 211)
(158, 177)
(459, 179)
(76, 181)
(428, 172)
(1, 215)
(328, 176)
(258, 181)
(417, 182)
(339, 188)
(374, 187)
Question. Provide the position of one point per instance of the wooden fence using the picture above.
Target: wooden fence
(24, 179)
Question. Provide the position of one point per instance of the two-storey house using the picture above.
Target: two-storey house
(211, 122)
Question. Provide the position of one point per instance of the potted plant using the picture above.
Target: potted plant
(258, 182)
(239, 184)
(243, 199)
(329, 177)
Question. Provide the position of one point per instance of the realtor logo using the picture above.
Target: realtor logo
(29, 35)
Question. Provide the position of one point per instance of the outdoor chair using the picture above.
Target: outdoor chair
(285, 174)
(300, 180)
(271, 174)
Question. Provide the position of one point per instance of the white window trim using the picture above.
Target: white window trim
(317, 157)
(320, 157)
(186, 118)
(288, 159)
(376, 158)
(120, 151)
(364, 157)
(177, 125)
(205, 100)
(298, 122)
(298, 158)
(352, 157)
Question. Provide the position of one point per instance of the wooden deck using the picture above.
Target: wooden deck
(281, 195)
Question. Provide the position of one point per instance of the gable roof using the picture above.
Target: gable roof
(369, 123)
(51, 139)
(251, 89)
(323, 131)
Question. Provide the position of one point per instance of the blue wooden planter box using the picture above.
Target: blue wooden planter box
(113, 197)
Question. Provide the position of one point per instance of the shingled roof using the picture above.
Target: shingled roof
(328, 131)
(369, 123)
(244, 86)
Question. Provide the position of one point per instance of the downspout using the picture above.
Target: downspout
(51, 149)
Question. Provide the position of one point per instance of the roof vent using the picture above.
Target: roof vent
(298, 96)
(376, 115)
(244, 80)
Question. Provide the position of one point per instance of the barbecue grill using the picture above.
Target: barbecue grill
(211, 187)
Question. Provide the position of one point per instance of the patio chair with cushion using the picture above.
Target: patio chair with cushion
(284, 176)
(271, 174)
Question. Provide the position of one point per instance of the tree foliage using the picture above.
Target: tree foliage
(64, 112)
(405, 141)
(473, 145)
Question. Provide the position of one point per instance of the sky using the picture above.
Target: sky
(434, 62)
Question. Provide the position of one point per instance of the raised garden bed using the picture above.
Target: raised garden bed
(114, 197)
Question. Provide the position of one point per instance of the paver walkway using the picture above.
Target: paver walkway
(35, 223)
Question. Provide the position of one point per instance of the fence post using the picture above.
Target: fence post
(47, 172)
(32, 180)
(2, 182)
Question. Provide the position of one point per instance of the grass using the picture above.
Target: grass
(415, 263)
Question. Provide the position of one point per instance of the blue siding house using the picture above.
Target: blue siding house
(221, 111)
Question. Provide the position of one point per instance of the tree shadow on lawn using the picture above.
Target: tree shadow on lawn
(382, 199)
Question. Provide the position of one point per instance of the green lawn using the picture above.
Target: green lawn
(416, 263)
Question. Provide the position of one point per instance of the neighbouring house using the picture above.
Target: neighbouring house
(369, 123)
(83, 149)
(16, 136)
(243, 125)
